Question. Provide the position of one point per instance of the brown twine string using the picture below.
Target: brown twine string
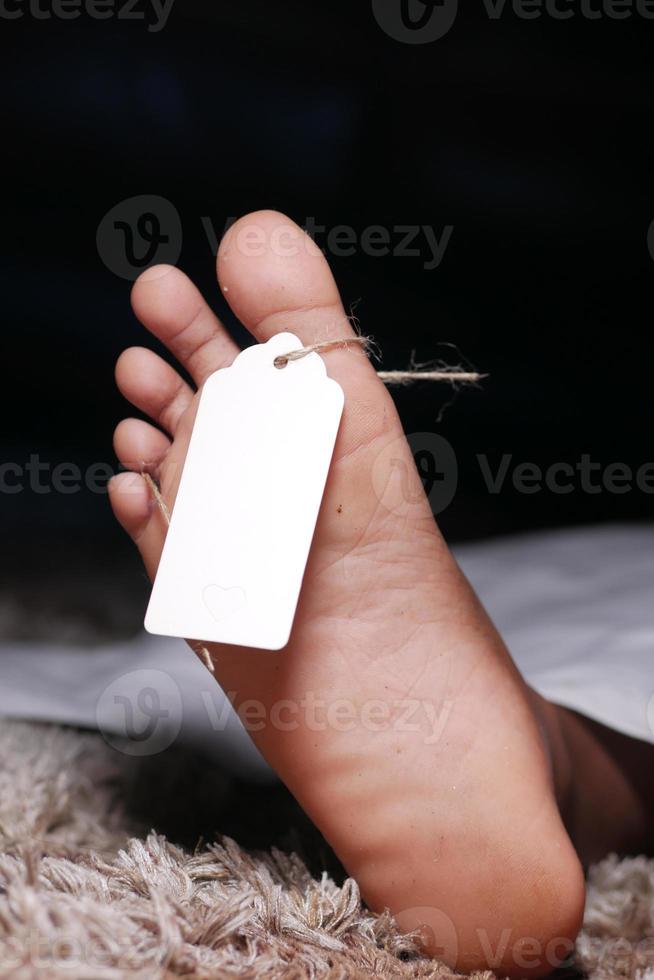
(410, 376)
(201, 650)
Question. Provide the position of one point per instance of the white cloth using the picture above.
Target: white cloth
(576, 610)
(574, 607)
(153, 686)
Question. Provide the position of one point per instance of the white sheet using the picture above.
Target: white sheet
(576, 609)
(574, 606)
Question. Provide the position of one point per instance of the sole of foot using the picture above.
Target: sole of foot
(395, 714)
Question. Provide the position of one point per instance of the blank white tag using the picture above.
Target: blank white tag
(248, 500)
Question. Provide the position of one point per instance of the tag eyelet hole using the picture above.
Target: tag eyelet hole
(280, 362)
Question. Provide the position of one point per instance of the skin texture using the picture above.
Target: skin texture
(449, 817)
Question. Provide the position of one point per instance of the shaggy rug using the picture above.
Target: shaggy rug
(87, 893)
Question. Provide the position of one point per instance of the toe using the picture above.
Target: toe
(136, 510)
(130, 502)
(139, 446)
(153, 386)
(276, 279)
(173, 309)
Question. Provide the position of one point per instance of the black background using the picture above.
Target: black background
(532, 138)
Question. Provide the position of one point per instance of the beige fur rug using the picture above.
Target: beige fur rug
(86, 895)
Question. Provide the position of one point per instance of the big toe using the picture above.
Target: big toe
(276, 279)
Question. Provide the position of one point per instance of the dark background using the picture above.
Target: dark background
(533, 138)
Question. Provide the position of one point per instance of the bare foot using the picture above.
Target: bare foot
(395, 714)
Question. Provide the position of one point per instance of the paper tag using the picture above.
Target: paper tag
(248, 500)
